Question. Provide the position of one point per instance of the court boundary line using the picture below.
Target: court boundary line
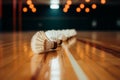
(78, 70)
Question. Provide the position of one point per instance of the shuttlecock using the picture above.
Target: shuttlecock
(55, 35)
(66, 33)
(61, 35)
(69, 32)
(41, 43)
(72, 32)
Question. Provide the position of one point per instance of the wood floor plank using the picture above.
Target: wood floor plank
(94, 60)
(18, 62)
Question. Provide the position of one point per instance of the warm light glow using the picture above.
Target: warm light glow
(80, 51)
(94, 6)
(34, 10)
(87, 0)
(55, 69)
(29, 2)
(103, 1)
(87, 10)
(93, 51)
(78, 9)
(54, 6)
(25, 9)
(25, 47)
(65, 10)
(69, 2)
(102, 56)
(82, 6)
(67, 6)
(31, 6)
(87, 48)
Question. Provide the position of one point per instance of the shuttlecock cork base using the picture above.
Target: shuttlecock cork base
(50, 45)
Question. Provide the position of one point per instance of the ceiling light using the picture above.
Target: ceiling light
(54, 6)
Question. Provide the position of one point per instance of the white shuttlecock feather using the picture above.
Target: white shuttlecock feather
(61, 35)
(69, 33)
(66, 33)
(53, 35)
(73, 32)
(40, 43)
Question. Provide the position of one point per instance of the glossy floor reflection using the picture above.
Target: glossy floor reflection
(17, 61)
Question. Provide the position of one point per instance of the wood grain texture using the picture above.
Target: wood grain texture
(18, 62)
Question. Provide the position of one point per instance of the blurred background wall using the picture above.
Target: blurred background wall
(104, 17)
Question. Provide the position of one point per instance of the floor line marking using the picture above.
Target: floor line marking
(78, 70)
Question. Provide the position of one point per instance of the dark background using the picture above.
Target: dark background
(105, 17)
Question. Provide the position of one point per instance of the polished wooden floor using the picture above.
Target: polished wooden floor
(93, 56)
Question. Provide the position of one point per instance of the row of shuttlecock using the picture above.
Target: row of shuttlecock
(43, 41)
